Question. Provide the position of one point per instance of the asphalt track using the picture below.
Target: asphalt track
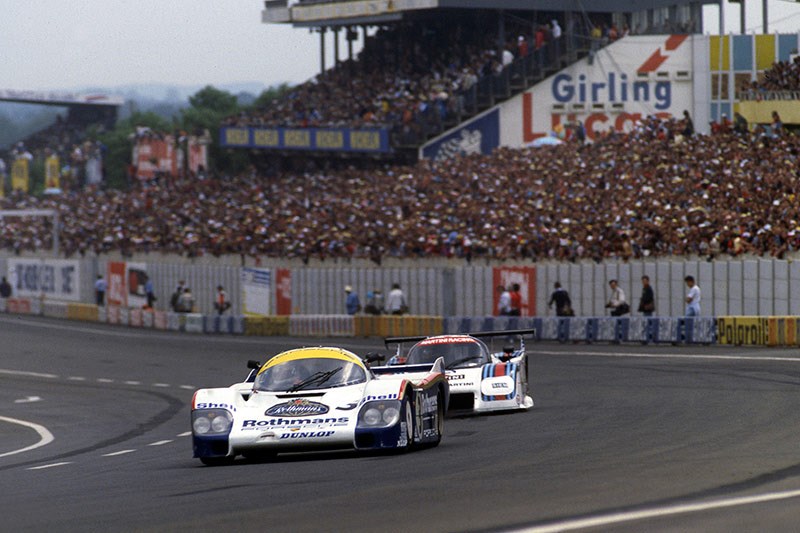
(94, 425)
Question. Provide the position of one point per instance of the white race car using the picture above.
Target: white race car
(480, 380)
(319, 398)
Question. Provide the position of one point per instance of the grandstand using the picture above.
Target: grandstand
(441, 62)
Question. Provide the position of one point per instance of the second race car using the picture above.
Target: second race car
(480, 380)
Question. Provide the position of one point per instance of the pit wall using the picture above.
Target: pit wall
(723, 330)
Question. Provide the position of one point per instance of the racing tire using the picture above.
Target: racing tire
(408, 415)
(217, 461)
(439, 419)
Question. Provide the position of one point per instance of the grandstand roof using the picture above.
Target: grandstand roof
(351, 12)
(59, 98)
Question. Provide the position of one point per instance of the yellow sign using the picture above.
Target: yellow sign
(365, 140)
(240, 136)
(330, 139)
(52, 173)
(19, 175)
(297, 138)
(269, 138)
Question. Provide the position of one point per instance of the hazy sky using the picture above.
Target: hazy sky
(69, 44)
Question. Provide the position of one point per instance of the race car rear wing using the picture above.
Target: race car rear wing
(399, 341)
(478, 334)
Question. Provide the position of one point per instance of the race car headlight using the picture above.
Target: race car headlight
(379, 414)
(211, 422)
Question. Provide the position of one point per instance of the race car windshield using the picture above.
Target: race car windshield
(456, 354)
(308, 374)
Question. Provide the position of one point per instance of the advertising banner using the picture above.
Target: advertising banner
(136, 276)
(52, 172)
(56, 279)
(628, 80)
(256, 291)
(283, 292)
(20, 175)
(116, 295)
(153, 155)
(480, 135)
(317, 139)
(525, 277)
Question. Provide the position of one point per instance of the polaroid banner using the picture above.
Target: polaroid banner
(256, 291)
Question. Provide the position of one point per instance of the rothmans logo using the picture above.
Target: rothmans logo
(299, 407)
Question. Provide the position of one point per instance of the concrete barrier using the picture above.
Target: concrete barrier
(22, 306)
(84, 312)
(266, 326)
(194, 323)
(218, 324)
(321, 325)
(135, 318)
(160, 320)
(54, 309)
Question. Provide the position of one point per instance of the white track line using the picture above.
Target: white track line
(160, 442)
(658, 512)
(50, 465)
(27, 374)
(45, 436)
(121, 452)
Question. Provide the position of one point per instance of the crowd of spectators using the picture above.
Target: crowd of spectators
(407, 77)
(661, 190)
(779, 81)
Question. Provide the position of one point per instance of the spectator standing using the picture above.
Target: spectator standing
(5, 288)
(186, 301)
(557, 43)
(560, 297)
(776, 126)
(516, 300)
(647, 303)
(688, 124)
(374, 302)
(221, 302)
(617, 303)
(100, 287)
(504, 301)
(522, 46)
(174, 300)
(692, 297)
(148, 290)
(352, 304)
(396, 301)
(504, 306)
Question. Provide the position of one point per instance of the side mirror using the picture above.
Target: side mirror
(253, 364)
